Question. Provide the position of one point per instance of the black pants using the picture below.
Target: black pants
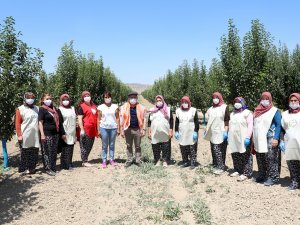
(86, 145)
(188, 153)
(28, 159)
(269, 163)
(218, 152)
(243, 162)
(49, 152)
(160, 151)
(66, 156)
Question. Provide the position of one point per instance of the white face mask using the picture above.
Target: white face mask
(107, 100)
(294, 105)
(133, 101)
(87, 99)
(29, 101)
(265, 103)
(237, 105)
(48, 102)
(65, 102)
(216, 101)
(185, 105)
(159, 104)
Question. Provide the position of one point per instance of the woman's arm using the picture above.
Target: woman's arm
(18, 123)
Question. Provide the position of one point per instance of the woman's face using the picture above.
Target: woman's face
(29, 96)
(65, 98)
(265, 97)
(47, 97)
(294, 100)
(158, 100)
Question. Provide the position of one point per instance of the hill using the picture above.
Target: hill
(138, 87)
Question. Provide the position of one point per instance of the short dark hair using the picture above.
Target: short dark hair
(106, 93)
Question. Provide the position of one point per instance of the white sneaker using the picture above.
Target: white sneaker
(235, 174)
(158, 163)
(242, 178)
(218, 172)
(165, 164)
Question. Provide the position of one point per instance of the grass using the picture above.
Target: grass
(209, 189)
(201, 212)
(172, 211)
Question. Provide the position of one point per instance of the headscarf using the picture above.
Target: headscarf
(54, 113)
(163, 109)
(260, 109)
(297, 95)
(25, 96)
(61, 100)
(185, 99)
(220, 97)
(242, 101)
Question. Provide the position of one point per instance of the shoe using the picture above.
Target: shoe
(242, 178)
(165, 164)
(158, 163)
(269, 182)
(139, 164)
(71, 168)
(112, 162)
(104, 164)
(293, 186)
(50, 172)
(218, 171)
(32, 171)
(86, 164)
(127, 164)
(235, 174)
(184, 164)
(260, 179)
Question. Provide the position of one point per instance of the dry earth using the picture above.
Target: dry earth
(146, 195)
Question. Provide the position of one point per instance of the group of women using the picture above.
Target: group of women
(56, 129)
(264, 133)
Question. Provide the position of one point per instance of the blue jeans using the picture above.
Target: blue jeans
(108, 140)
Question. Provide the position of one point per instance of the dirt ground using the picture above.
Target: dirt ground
(143, 195)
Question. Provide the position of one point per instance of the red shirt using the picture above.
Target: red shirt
(90, 119)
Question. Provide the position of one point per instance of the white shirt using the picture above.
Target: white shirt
(108, 116)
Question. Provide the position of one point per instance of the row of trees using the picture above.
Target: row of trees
(76, 72)
(245, 68)
(21, 70)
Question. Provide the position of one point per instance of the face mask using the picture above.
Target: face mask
(265, 103)
(294, 105)
(87, 99)
(107, 100)
(237, 105)
(159, 104)
(133, 101)
(185, 105)
(66, 102)
(48, 102)
(29, 101)
(216, 101)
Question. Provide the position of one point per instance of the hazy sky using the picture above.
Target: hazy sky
(140, 40)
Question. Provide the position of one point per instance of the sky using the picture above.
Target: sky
(140, 40)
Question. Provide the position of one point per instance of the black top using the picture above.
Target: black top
(80, 111)
(227, 116)
(196, 122)
(171, 120)
(134, 123)
(48, 122)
